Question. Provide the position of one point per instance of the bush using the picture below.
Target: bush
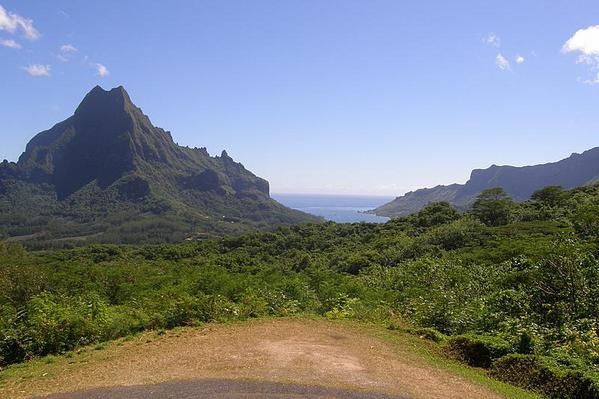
(12, 348)
(542, 375)
(478, 350)
(435, 214)
(430, 334)
(457, 234)
(57, 324)
(586, 220)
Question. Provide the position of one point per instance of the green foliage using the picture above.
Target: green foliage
(552, 196)
(529, 287)
(493, 207)
(430, 334)
(586, 219)
(460, 233)
(435, 214)
(478, 350)
(545, 376)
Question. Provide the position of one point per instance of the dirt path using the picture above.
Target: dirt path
(308, 352)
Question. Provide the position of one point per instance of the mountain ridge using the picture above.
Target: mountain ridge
(519, 182)
(108, 156)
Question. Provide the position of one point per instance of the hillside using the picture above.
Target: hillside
(516, 299)
(519, 182)
(108, 174)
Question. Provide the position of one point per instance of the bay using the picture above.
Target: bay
(336, 208)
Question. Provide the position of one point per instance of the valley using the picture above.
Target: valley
(299, 199)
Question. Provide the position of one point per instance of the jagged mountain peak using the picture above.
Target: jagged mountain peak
(113, 103)
(98, 97)
(108, 155)
(105, 139)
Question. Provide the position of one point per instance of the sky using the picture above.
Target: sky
(370, 97)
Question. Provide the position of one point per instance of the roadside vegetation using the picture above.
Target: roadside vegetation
(509, 287)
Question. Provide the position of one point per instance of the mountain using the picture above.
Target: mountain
(518, 182)
(107, 174)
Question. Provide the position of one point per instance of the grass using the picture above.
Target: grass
(432, 353)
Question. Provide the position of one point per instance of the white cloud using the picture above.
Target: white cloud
(592, 81)
(12, 23)
(585, 43)
(102, 70)
(9, 43)
(38, 70)
(493, 40)
(500, 60)
(66, 51)
(502, 63)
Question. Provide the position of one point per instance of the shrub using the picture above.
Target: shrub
(435, 214)
(430, 334)
(56, 324)
(457, 234)
(542, 375)
(12, 347)
(586, 220)
(478, 350)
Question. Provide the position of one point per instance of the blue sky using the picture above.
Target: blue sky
(351, 97)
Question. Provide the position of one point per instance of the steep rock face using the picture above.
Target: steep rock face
(105, 139)
(109, 137)
(518, 182)
(108, 156)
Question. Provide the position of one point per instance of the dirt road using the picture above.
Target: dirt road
(289, 351)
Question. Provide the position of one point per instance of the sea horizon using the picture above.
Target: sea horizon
(340, 208)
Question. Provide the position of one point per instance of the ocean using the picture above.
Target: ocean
(336, 208)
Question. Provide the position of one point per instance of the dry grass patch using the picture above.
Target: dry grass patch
(306, 351)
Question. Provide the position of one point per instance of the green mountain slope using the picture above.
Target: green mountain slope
(519, 182)
(107, 174)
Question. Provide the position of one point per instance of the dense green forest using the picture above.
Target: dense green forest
(512, 287)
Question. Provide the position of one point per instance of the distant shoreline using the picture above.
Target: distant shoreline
(336, 208)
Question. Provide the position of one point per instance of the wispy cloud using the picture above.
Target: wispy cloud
(502, 63)
(38, 70)
(66, 52)
(68, 49)
(12, 23)
(9, 43)
(493, 40)
(102, 70)
(585, 43)
(593, 80)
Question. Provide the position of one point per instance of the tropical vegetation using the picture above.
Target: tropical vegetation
(511, 287)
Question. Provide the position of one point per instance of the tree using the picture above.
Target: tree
(586, 220)
(551, 196)
(435, 214)
(493, 207)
